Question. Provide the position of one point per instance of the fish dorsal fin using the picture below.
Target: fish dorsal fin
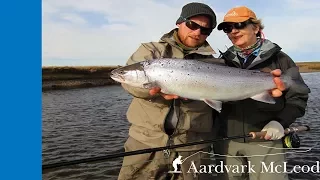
(264, 97)
(217, 105)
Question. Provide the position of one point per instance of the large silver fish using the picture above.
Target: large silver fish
(194, 79)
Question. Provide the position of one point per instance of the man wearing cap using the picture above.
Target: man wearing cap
(250, 50)
(158, 119)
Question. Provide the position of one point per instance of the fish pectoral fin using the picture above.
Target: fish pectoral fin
(264, 97)
(150, 85)
(217, 105)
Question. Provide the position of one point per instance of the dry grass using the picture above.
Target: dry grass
(308, 66)
(77, 69)
(76, 72)
(68, 77)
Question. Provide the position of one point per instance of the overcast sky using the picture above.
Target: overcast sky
(107, 32)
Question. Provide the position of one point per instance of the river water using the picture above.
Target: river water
(83, 123)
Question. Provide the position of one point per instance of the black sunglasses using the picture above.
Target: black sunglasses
(227, 28)
(194, 26)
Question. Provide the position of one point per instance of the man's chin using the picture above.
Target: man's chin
(237, 43)
(193, 44)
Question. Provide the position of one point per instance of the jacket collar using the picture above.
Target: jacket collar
(267, 50)
(205, 49)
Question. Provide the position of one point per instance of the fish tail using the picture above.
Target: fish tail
(287, 80)
(292, 78)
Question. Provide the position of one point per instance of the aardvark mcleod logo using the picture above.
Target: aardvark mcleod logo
(233, 13)
(175, 165)
(271, 167)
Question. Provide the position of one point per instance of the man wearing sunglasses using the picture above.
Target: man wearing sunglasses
(250, 50)
(160, 119)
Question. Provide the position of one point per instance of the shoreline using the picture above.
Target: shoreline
(72, 77)
(74, 84)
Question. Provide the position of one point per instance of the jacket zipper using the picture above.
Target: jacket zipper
(242, 116)
(170, 142)
(167, 151)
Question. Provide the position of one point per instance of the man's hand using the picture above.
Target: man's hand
(277, 92)
(157, 90)
(274, 131)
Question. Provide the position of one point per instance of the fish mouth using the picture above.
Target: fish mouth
(117, 77)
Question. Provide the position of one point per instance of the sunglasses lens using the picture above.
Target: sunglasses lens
(227, 28)
(206, 31)
(192, 25)
(239, 25)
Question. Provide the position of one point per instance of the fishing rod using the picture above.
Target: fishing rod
(291, 141)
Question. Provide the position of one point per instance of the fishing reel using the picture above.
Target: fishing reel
(291, 140)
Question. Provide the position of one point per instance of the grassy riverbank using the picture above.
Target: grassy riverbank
(67, 77)
(305, 67)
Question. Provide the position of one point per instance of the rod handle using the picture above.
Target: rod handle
(258, 134)
(286, 131)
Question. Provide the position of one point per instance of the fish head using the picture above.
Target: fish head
(133, 75)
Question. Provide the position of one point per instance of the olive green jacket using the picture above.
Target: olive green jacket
(147, 114)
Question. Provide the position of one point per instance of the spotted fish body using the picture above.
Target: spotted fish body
(198, 80)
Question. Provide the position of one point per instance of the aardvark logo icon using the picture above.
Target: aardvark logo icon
(175, 165)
